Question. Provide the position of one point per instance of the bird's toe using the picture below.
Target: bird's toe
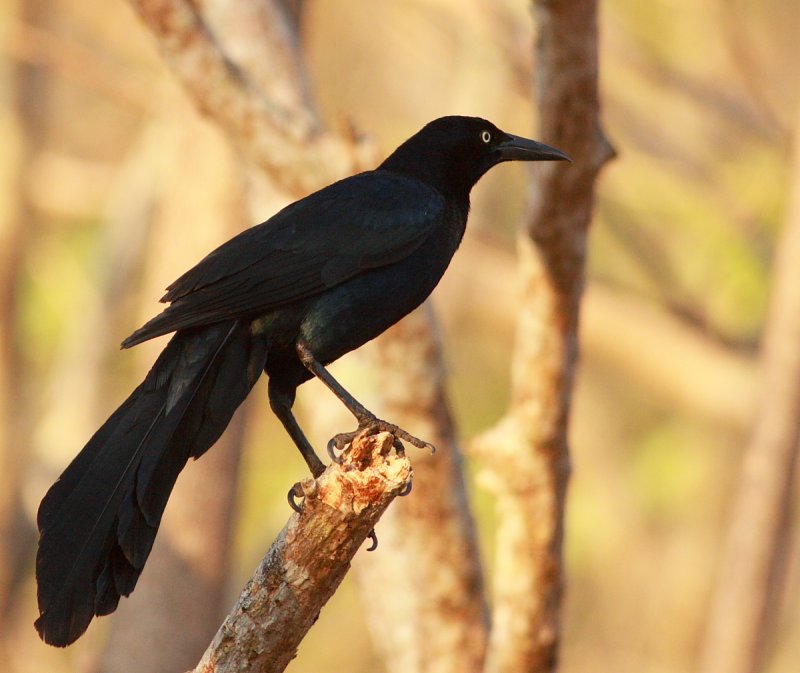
(295, 497)
(374, 537)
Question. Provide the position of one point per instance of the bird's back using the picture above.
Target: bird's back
(361, 223)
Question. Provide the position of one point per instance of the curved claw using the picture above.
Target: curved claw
(332, 448)
(406, 489)
(416, 441)
(339, 443)
(399, 448)
(295, 492)
(373, 536)
(427, 445)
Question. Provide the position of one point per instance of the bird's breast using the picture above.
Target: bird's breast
(356, 311)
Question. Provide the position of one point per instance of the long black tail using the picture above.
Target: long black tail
(97, 523)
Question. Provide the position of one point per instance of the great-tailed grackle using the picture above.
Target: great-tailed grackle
(315, 281)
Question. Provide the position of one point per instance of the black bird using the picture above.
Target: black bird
(288, 296)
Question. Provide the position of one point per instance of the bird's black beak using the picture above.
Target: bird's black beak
(515, 148)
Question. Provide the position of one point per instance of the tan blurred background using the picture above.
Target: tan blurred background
(111, 186)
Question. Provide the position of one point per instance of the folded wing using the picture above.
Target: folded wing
(359, 223)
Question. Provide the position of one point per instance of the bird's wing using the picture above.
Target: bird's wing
(363, 222)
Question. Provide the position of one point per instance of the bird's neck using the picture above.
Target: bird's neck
(434, 169)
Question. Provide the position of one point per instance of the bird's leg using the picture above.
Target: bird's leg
(365, 418)
(281, 404)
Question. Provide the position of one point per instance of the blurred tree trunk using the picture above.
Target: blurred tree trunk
(433, 615)
(751, 576)
(178, 604)
(525, 458)
(263, 110)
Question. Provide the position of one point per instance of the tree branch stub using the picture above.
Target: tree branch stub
(309, 559)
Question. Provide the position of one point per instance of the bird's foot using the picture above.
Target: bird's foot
(338, 443)
(372, 424)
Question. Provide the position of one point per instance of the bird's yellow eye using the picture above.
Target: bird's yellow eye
(486, 136)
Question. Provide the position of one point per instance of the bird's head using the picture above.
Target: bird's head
(452, 153)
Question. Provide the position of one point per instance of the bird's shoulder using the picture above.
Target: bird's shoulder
(375, 199)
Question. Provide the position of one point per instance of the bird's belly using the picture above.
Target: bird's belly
(347, 316)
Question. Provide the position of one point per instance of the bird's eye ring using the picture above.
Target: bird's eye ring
(486, 136)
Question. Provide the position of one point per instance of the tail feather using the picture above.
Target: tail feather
(98, 522)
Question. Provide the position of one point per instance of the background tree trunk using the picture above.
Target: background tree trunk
(177, 607)
(746, 602)
(433, 615)
(169, 620)
(525, 458)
